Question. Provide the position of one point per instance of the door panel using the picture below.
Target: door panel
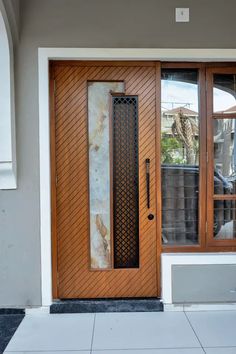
(71, 197)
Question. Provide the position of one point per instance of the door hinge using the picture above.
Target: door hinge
(207, 156)
(206, 226)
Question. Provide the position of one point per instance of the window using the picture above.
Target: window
(180, 156)
(222, 156)
(198, 157)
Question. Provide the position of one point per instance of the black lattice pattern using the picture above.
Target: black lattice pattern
(125, 182)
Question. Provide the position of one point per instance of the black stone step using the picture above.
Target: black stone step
(12, 311)
(107, 305)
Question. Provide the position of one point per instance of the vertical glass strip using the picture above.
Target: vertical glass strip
(180, 156)
(125, 182)
(99, 171)
(224, 156)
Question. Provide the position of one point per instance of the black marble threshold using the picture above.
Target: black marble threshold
(10, 320)
(107, 305)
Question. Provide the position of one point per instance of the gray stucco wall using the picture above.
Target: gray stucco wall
(86, 23)
(13, 11)
(203, 283)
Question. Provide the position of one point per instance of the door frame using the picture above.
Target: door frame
(116, 54)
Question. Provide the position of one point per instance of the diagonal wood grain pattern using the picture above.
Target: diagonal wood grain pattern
(75, 279)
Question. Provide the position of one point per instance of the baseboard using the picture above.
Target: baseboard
(200, 307)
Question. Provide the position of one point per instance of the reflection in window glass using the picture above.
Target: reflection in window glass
(224, 93)
(224, 156)
(224, 219)
(180, 156)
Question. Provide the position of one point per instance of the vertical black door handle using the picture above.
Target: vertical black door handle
(148, 181)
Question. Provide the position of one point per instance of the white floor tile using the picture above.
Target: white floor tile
(53, 332)
(152, 351)
(143, 330)
(223, 350)
(214, 328)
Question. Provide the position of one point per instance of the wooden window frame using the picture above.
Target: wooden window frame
(207, 243)
(224, 244)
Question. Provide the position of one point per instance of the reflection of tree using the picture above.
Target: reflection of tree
(184, 129)
(170, 150)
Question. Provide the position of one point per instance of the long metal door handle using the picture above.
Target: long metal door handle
(148, 182)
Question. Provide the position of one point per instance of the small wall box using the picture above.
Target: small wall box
(182, 14)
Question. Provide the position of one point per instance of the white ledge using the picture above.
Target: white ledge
(7, 175)
(170, 259)
(168, 54)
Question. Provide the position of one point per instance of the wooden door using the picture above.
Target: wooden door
(87, 265)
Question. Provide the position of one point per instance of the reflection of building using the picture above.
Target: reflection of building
(168, 118)
(229, 110)
(224, 144)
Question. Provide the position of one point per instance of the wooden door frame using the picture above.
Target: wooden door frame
(53, 181)
(228, 244)
(201, 246)
(46, 54)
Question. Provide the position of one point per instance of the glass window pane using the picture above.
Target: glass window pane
(224, 156)
(180, 156)
(224, 93)
(224, 219)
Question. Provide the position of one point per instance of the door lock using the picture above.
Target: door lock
(150, 217)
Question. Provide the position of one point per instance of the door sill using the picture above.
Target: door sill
(107, 305)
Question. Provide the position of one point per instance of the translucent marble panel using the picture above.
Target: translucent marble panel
(99, 171)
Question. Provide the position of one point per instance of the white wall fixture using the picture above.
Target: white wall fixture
(182, 14)
(7, 111)
(170, 259)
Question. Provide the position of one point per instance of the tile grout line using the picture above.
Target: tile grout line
(194, 332)
(93, 333)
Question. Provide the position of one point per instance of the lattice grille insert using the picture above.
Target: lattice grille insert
(125, 182)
